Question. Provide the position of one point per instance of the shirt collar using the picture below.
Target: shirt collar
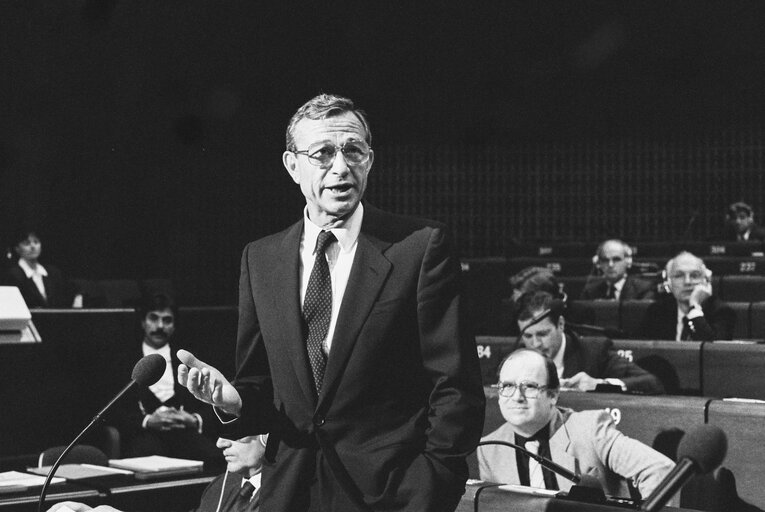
(29, 271)
(558, 359)
(164, 351)
(618, 285)
(254, 480)
(347, 233)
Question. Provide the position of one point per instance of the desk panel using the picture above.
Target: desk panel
(733, 370)
(27, 501)
(642, 417)
(744, 424)
(491, 351)
(678, 365)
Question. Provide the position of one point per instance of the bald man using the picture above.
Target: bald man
(613, 260)
(689, 311)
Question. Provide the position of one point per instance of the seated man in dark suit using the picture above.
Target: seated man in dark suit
(689, 312)
(585, 443)
(236, 490)
(613, 259)
(741, 222)
(582, 363)
(165, 419)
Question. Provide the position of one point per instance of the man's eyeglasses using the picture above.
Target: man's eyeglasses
(527, 389)
(322, 154)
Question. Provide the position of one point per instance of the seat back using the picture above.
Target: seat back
(80, 454)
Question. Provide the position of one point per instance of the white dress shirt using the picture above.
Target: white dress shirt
(339, 257)
(36, 274)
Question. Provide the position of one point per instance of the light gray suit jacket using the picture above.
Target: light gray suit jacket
(586, 443)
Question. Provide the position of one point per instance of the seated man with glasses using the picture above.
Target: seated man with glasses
(688, 311)
(585, 443)
(612, 261)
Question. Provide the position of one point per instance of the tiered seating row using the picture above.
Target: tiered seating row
(719, 369)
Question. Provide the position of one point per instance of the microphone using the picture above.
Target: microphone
(699, 452)
(608, 332)
(586, 488)
(147, 371)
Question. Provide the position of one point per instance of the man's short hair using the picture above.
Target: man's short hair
(156, 302)
(626, 248)
(532, 279)
(553, 382)
(324, 106)
(739, 207)
(532, 303)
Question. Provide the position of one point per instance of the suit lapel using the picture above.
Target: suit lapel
(285, 284)
(571, 362)
(560, 449)
(368, 274)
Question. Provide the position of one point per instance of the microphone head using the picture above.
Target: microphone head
(706, 446)
(149, 369)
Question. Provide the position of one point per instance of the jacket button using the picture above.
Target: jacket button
(318, 421)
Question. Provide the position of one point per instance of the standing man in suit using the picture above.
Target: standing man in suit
(164, 418)
(742, 224)
(581, 364)
(689, 312)
(352, 350)
(586, 443)
(614, 259)
(236, 490)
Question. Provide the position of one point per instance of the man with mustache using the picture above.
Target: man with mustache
(164, 419)
(352, 351)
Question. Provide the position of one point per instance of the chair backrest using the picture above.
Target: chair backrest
(742, 288)
(80, 454)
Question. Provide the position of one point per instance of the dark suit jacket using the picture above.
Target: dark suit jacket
(401, 404)
(660, 321)
(598, 358)
(58, 296)
(635, 288)
(757, 234)
(139, 401)
(212, 496)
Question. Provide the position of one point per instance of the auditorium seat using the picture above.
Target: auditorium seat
(121, 293)
(485, 284)
(560, 266)
(741, 288)
(573, 285)
(632, 315)
(757, 321)
(741, 329)
(732, 369)
(743, 424)
(606, 312)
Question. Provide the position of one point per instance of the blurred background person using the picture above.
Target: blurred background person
(742, 225)
(41, 286)
(613, 260)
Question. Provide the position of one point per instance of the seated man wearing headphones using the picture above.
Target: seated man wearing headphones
(582, 363)
(613, 259)
(689, 311)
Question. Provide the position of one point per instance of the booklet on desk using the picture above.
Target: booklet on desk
(16, 481)
(80, 471)
(155, 466)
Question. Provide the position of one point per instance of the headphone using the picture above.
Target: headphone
(665, 280)
(625, 247)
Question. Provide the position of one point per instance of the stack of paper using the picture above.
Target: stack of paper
(157, 465)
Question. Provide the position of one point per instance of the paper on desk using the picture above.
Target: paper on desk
(78, 471)
(17, 478)
(154, 463)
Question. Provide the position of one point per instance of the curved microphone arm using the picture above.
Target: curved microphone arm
(544, 462)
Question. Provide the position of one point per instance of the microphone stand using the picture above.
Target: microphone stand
(66, 451)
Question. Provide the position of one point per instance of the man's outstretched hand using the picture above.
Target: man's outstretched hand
(208, 384)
